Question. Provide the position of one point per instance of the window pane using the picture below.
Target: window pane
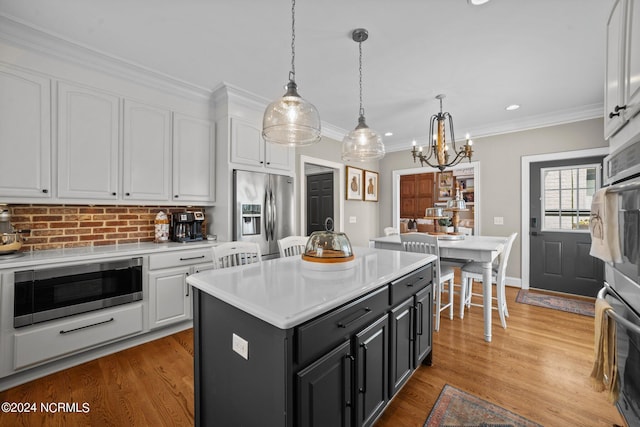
(552, 200)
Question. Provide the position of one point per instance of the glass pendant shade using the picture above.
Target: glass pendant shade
(291, 120)
(362, 144)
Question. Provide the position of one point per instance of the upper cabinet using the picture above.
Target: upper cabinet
(25, 130)
(193, 159)
(146, 152)
(622, 73)
(248, 147)
(88, 139)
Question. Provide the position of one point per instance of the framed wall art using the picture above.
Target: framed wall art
(354, 183)
(370, 185)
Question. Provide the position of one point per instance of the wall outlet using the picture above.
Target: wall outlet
(498, 220)
(240, 346)
(352, 220)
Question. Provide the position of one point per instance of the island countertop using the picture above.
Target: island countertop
(286, 292)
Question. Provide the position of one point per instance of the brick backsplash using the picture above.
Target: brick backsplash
(66, 226)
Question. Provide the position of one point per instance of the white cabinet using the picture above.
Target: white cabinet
(622, 70)
(193, 159)
(25, 131)
(146, 152)
(169, 293)
(88, 126)
(248, 147)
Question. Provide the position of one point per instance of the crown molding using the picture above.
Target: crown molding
(23, 35)
(554, 118)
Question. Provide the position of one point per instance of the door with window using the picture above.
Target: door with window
(561, 194)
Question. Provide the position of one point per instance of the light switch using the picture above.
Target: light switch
(498, 220)
(352, 220)
(240, 346)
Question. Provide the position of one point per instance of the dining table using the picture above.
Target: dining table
(481, 249)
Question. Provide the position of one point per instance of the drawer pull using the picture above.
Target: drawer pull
(342, 324)
(87, 326)
(193, 257)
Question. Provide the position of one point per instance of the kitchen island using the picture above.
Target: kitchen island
(282, 343)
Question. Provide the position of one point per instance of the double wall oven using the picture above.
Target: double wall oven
(51, 293)
(622, 279)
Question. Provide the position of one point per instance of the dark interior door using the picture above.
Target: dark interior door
(319, 201)
(560, 201)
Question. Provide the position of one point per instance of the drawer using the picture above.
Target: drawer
(320, 335)
(406, 286)
(180, 258)
(57, 338)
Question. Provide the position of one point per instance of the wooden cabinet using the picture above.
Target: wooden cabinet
(25, 130)
(146, 152)
(248, 147)
(193, 159)
(88, 138)
(622, 71)
(416, 194)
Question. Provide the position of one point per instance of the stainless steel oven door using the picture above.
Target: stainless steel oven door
(628, 348)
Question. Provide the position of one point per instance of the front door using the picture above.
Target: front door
(319, 201)
(561, 193)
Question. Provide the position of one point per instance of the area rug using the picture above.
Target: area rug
(585, 308)
(456, 408)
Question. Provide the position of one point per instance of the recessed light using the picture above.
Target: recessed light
(477, 2)
(388, 133)
(512, 107)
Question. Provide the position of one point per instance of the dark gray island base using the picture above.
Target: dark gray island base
(340, 368)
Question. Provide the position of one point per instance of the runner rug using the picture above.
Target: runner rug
(585, 308)
(455, 407)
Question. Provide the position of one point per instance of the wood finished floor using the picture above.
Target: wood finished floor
(538, 367)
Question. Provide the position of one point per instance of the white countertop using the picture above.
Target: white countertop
(285, 292)
(56, 256)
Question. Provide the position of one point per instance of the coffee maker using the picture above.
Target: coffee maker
(186, 226)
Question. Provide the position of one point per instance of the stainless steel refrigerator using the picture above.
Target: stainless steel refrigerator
(263, 209)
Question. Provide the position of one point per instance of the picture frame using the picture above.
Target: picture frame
(370, 186)
(354, 183)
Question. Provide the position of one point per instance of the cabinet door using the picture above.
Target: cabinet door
(613, 95)
(325, 390)
(278, 156)
(401, 349)
(25, 129)
(372, 364)
(87, 143)
(247, 145)
(169, 297)
(146, 152)
(424, 322)
(193, 159)
(633, 58)
(407, 196)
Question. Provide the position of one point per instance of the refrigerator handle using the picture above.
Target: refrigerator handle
(267, 214)
(274, 215)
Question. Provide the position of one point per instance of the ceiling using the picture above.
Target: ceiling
(545, 55)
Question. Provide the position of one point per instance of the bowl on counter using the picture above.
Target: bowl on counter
(328, 250)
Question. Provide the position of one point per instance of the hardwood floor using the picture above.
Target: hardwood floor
(538, 367)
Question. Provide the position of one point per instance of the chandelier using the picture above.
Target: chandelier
(291, 120)
(437, 155)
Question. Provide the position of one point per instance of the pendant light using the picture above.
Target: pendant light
(291, 120)
(362, 143)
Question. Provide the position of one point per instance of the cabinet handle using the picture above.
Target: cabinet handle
(176, 196)
(342, 324)
(261, 162)
(410, 284)
(87, 326)
(363, 389)
(348, 366)
(193, 257)
(617, 110)
(113, 194)
(44, 190)
(268, 163)
(419, 309)
(127, 194)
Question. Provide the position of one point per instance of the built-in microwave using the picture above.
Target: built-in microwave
(52, 293)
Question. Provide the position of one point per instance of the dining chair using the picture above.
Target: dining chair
(426, 244)
(292, 245)
(229, 254)
(473, 271)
